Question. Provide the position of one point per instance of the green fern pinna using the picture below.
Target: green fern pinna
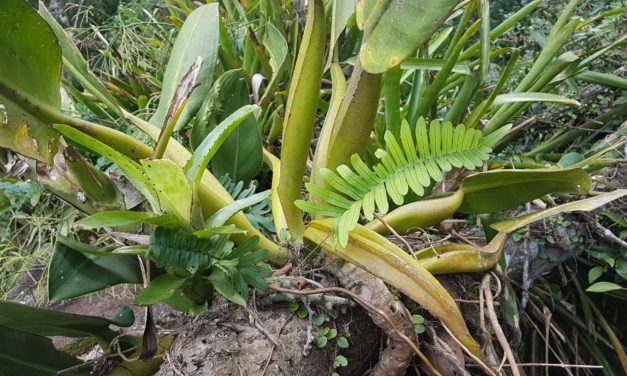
(409, 163)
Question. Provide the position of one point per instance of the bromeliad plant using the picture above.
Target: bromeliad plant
(434, 126)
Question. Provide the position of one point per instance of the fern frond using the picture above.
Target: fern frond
(411, 163)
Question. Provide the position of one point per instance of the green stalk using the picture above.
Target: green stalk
(392, 95)
(337, 95)
(300, 115)
(431, 97)
(351, 129)
(462, 101)
(485, 40)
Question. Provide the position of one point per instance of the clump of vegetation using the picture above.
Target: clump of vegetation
(167, 114)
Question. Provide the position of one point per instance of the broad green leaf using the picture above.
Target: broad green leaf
(240, 155)
(132, 170)
(225, 287)
(595, 273)
(76, 65)
(587, 204)
(45, 322)
(30, 72)
(493, 191)
(114, 218)
(533, 97)
(604, 287)
(276, 45)
(401, 28)
(171, 185)
(74, 273)
(223, 215)
(199, 36)
(160, 289)
(197, 164)
(27, 354)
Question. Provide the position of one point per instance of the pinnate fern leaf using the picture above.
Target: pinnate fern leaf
(413, 162)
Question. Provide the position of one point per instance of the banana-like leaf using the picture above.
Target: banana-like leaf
(587, 204)
(462, 258)
(30, 72)
(73, 273)
(300, 114)
(419, 214)
(377, 255)
(76, 65)
(402, 26)
(27, 354)
(199, 36)
(493, 191)
(46, 322)
(533, 97)
(342, 11)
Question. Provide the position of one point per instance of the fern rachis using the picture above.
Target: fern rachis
(440, 147)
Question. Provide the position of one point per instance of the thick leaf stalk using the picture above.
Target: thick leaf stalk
(419, 214)
(300, 115)
(379, 256)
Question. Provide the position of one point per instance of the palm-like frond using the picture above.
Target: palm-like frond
(440, 147)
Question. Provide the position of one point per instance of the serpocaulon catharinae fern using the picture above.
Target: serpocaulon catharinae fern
(409, 163)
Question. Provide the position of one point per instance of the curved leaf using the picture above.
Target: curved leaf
(74, 273)
(493, 191)
(199, 36)
(30, 69)
(533, 97)
(587, 204)
(114, 218)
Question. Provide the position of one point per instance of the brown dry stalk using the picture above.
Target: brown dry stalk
(489, 300)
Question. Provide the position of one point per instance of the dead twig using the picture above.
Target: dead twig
(489, 300)
(391, 229)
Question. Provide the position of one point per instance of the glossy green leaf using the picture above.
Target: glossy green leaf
(603, 79)
(197, 164)
(171, 185)
(30, 72)
(401, 28)
(27, 354)
(533, 97)
(240, 156)
(45, 322)
(342, 11)
(587, 204)
(493, 191)
(159, 289)
(114, 218)
(595, 273)
(199, 36)
(74, 273)
(604, 287)
(75, 64)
